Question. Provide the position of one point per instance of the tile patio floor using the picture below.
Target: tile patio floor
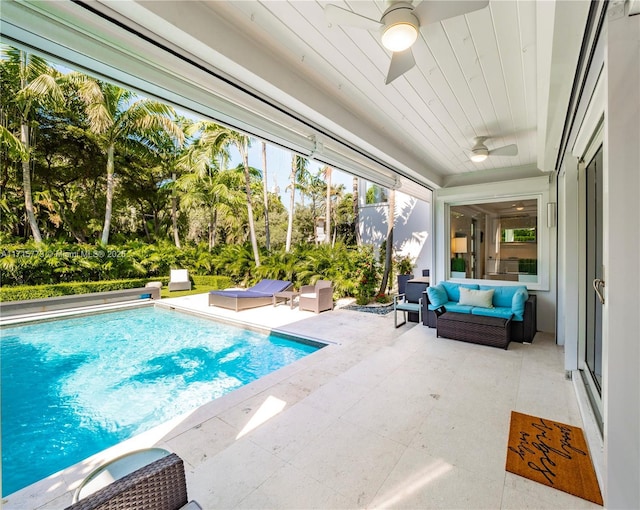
(380, 418)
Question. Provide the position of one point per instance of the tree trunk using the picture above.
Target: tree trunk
(391, 219)
(292, 201)
(327, 229)
(265, 189)
(110, 186)
(356, 211)
(174, 214)
(247, 185)
(26, 184)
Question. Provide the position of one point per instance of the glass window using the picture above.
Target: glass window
(374, 193)
(495, 240)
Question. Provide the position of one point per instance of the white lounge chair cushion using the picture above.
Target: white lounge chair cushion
(308, 295)
(179, 275)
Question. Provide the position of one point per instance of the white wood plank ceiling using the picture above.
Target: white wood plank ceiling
(476, 75)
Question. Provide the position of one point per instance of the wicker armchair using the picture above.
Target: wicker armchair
(317, 298)
(160, 485)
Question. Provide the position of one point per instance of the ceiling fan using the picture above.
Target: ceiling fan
(400, 25)
(480, 152)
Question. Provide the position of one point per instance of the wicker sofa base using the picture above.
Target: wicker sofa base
(477, 329)
(521, 331)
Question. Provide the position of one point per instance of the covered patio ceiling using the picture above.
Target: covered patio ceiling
(504, 71)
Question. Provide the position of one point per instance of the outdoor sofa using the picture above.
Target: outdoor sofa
(241, 299)
(512, 303)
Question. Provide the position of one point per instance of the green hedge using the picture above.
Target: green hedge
(215, 281)
(22, 292)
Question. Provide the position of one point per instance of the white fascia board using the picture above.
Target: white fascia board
(560, 30)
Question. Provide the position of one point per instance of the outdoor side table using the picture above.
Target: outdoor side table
(286, 295)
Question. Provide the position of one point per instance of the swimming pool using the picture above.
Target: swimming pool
(73, 387)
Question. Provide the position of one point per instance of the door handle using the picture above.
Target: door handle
(598, 285)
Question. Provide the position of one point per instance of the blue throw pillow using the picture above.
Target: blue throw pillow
(453, 289)
(518, 302)
(503, 295)
(437, 295)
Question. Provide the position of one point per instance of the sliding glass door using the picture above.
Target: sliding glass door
(594, 279)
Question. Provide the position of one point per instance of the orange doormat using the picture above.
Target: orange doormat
(552, 453)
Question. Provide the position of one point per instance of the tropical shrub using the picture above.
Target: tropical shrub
(367, 277)
(353, 271)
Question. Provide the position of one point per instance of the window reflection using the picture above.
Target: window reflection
(495, 241)
(374, 194)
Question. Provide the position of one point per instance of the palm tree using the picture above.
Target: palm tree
(117, 116)
(265, 192)
(327, 177)
(242, 143)
(205, 184)
(298, 169)
(356, 210)
(220, 137)
(29, 83)
(391, 219)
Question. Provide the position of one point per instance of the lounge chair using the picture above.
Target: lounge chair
(179, 280)
(317, 298)
(259, 295)
(160, 485)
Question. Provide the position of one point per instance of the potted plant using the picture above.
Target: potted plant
(404, 267)
(458, 268)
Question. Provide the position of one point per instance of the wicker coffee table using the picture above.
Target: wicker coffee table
(477, 329)
(286, 295)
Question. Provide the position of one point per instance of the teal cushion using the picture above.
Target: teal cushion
(452, 306)
(453, 289)
(437, 296)
(408, 307)
(503, 313)
(503, 295)
(448, 303)
(518, 303)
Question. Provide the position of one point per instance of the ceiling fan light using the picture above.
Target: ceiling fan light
(479, 155)
(399, 36)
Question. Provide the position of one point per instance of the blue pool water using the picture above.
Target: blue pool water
(73, 387)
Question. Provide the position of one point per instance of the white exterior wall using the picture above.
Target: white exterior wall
(621, 354)
(412, 231)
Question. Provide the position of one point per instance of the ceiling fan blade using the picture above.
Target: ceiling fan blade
(401, 62)
(339, 16)
(432, 11)
(507, 150)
